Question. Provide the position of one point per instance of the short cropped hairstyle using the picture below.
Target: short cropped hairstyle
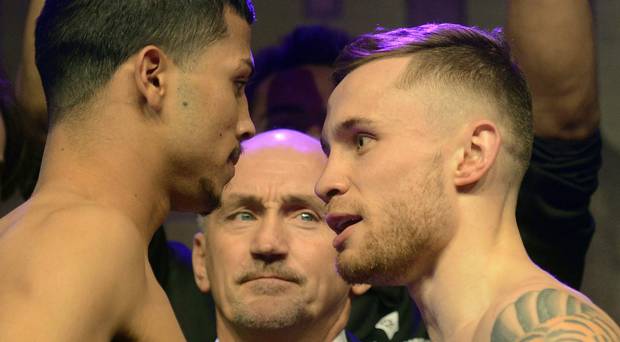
(464, 56)
(80, 43)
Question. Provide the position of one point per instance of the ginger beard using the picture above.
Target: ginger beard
(400, 242)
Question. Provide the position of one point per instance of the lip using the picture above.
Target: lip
(269, 278)
(339, 222)
(342, 224)
(234, 155)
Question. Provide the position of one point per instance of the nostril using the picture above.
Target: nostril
(246, 136)
(331, 193)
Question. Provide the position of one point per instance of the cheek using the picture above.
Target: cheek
(320, 261)
(224, 257)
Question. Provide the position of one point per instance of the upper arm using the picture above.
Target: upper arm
(77, 281)
(553, 42)
(555, 315)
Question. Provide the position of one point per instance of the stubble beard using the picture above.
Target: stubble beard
(411, 229)
(277, 316)
(279, 308)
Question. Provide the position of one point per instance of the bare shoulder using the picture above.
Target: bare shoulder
(94, 244)
(554, 314)
(67, 264)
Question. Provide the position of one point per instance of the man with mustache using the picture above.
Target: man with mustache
(266, 254)
(429, 134)
(147, 110)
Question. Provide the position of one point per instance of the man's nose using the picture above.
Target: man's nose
(245, 126)
(332, 182)
(271, 240)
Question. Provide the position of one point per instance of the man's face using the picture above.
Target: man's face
(210, 117)
(267, 251)
(384, 181)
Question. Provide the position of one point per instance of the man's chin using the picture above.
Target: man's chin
(355, 269)
(270, 312)
(211, 196)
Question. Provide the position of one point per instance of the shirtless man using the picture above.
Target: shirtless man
(147, 111)
(429, 133)
(266, 254)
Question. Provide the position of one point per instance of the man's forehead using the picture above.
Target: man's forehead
(286, 195)
(281, 141)
(364, 95)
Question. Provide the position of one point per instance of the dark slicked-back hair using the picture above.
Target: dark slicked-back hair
(461, 56)
(80, 43)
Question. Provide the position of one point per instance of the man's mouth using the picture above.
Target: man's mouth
(340, 222)
(234, 155)
(283, 276)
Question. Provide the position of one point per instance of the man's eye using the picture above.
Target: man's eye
(308, 217)
(361, 141)
(244, 216)
(240, 87)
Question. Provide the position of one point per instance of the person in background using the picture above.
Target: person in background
(266, 254)
(553, 43)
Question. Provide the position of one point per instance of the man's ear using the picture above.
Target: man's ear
(480, 149)
(199, 254)
(152, 65)
(360, 289)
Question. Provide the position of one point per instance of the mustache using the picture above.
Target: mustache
(351, 207)
(277, 270)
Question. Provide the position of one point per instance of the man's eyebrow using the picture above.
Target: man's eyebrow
(352, 123)
(310, 201)
(344, 129)
(242, 200)
(247, 62)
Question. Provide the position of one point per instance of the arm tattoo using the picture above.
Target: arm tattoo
(552, 315)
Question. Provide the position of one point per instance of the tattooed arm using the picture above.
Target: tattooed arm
(553, 315)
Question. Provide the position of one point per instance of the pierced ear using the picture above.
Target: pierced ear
(479, 153)
(199, 254)
(360, 289)
(150, 75)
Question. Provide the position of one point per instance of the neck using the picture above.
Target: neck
(108, 170)
(470, 272)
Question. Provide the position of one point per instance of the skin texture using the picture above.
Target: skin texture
(552, 314)
(220, 93)
(387, 145)
(106, 184)
(266, 254)
(388, 189)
